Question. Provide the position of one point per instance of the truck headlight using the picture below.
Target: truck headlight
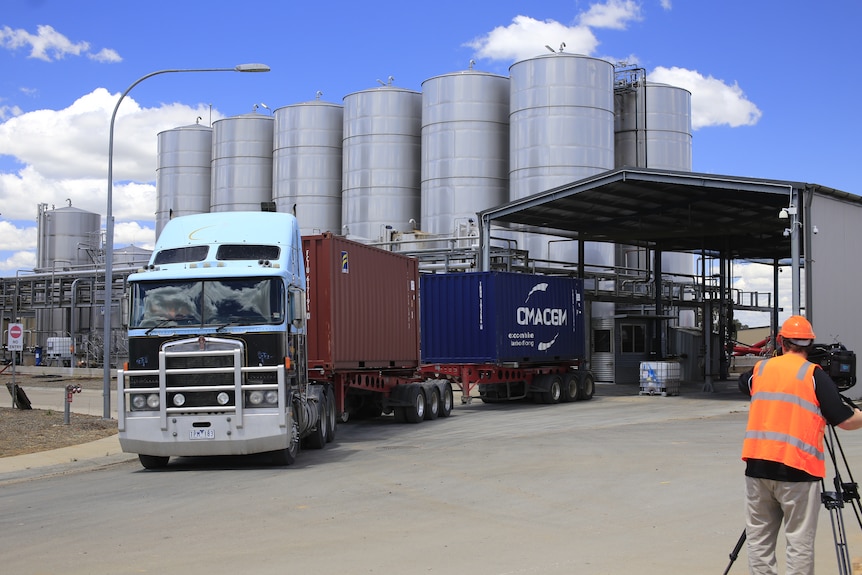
(271, 397)
(179, 399)
(255, 397)
(223, 398)
(141, 402)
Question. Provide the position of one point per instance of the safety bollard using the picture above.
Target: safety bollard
(70, 389)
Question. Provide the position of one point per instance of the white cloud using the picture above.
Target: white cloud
(13, 238)
(25, 260)
(753, 278)
(526, 37)
(49, 45)
(713, 102)
(133, 233)
(65, 155)
(666, 4)
(613, 14)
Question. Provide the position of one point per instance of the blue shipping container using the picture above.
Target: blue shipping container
(500, 317)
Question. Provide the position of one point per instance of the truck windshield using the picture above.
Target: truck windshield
(240, 301)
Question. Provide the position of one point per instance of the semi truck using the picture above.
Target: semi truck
(246, 338)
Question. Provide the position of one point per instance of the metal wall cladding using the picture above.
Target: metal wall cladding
(362, 305)
(652, 127)
(381, 161)
(68, 237)
(306, 164)
(184, 173)
(465, 148)
(501, 317)
(241, 163)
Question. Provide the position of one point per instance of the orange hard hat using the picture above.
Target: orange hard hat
(797, 327)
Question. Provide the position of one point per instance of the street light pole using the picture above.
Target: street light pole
(109, 223)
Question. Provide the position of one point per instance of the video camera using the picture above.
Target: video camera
(837, 361)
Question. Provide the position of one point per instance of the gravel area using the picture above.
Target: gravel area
(31, 430)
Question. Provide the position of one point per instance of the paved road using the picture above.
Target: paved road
(621, 484)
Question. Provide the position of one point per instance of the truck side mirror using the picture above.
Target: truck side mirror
(297, 308)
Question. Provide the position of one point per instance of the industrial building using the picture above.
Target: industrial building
(568, 166)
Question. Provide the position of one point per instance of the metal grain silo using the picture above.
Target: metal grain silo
(652, 126)
(183, 175)
(68, 237)
(465, 149)
(381, 162)
(561, 122)
(307, 163)
(241, 163)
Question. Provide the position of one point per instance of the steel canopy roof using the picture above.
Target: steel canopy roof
(666, 210)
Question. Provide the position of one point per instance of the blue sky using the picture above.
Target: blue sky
(772, 82)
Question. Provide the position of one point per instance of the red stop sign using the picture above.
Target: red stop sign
(15, 331)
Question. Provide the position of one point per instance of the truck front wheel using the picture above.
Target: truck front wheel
(287, 456)
(153, 461)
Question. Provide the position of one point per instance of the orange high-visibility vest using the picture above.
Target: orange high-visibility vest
(784, 421)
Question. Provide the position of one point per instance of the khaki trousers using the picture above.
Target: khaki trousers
(768, 503)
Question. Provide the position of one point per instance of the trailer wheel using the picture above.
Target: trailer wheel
(287, 456)
(153, 461)
(570, 387)
(554, 391)
(586, 386)
(447, 401)
(432, 405)
(332, 418)
(416, 411)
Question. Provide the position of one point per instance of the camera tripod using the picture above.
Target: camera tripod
(844, 492)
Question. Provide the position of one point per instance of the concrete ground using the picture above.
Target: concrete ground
(623, 483)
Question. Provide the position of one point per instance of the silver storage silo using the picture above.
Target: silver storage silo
(653, 130)
(68, 237)
(652, 126)
(183, 175)
(465, 149)
(306, 164)
(242, 163)
(381, 172)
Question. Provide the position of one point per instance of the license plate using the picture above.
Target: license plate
(203, 433)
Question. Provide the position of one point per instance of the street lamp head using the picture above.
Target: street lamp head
(252, 68)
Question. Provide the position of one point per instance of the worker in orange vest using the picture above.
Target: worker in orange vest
(792, 401)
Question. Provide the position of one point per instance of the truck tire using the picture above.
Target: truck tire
(432, 405)
(586, 386)
(153, 461)
(447, 401)
(287, 456)
(570, 387)
(317, 438)
(555, 389)
(332, 420)
(415, 412)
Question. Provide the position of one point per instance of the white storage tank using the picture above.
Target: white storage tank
(561, 131)
(465, 149)
(307, 163)
(381, 162)
(242, 163)
(183, 174)
(68, 237)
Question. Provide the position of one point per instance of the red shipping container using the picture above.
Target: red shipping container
(362, 305)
